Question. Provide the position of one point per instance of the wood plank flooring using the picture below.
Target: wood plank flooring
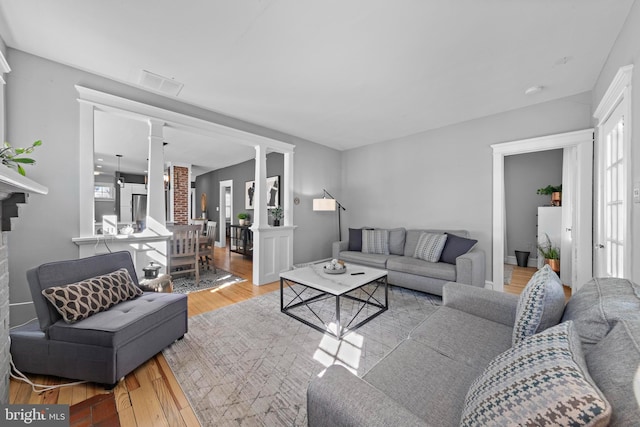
(151, 395)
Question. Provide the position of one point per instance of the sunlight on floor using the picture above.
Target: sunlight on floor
(345, 352)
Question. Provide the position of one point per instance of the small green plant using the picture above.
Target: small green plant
(277, 213)
(549, 189)
(243, 215)
(11, 156)
(547, 250)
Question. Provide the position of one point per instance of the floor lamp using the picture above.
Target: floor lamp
(329, 204)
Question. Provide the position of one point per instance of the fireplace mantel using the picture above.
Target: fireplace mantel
(12, 182)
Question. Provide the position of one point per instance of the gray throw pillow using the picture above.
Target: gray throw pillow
(430, 246)
(540, 305)
(542, 380)
(396, 241)
(455, 247)
(375, 242)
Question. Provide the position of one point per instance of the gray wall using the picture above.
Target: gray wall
(443, 178)
(239, 174)
(625, 51)
(41, 104)
(523, 175)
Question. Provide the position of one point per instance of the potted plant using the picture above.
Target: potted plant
(11, 156)
(550, 253)
(243, 218)
(277, 215)
(555, 191)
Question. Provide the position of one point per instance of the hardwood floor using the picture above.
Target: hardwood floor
(150, 395)
(520, 278)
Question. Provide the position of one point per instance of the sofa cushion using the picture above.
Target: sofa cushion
(540, 305)
(426, 382)
(412, 236)
(436, 270)
(456, 246)
(542, 380)
(429, 247)
(611, 364)
(122, 322)
(599, 304)
(375, 242)
(372, 260)
(80, 300)
(396, 241)
(462, 336)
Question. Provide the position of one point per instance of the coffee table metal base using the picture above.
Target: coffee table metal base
(341, 330)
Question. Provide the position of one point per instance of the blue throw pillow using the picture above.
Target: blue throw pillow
(455, 247)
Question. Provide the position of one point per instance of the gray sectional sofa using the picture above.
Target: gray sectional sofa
(484, 358)
(414, 273)
(104, 346)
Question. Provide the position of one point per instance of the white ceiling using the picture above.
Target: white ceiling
(339, 73)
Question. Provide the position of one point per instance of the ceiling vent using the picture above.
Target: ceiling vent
(160, 84)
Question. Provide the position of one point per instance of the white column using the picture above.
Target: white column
(155, 183)
(85, 169)
(260, 195)
(288, 189)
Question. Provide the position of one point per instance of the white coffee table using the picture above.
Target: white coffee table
(334, 285)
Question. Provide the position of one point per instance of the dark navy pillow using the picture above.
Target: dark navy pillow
(455, 247)
(355, 239)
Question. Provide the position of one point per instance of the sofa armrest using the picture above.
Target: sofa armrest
(338, 247)
(339, 398)
(470, 268)
(496, 306)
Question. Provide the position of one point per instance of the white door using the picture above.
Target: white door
(612, 244)
(568, 251)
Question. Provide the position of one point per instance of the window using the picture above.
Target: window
(104, 192)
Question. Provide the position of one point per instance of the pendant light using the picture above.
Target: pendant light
(120, 178)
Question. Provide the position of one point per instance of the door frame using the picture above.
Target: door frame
(582, 144)
(222, 218)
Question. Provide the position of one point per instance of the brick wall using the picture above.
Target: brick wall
(4, 320)
(181, 195)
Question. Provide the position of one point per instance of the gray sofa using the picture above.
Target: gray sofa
(105, 346)
(409, 272)
(437, 375)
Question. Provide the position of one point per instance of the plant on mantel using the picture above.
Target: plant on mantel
(11, 156)
(277, 215)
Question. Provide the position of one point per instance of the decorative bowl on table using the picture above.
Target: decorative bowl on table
(335, 267)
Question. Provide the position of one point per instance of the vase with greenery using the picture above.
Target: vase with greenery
(550, 253)
(555, 191)
(243, 218)
(277, 214)
(11, 156)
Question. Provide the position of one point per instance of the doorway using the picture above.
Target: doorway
(578, 151)
(225, 211)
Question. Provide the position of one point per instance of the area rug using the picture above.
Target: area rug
(248, 364)
(208, 280)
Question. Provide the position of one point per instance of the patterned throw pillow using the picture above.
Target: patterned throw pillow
(543, 380)
(375, 242)
(430, 246)
(80, 300)
(540, 305)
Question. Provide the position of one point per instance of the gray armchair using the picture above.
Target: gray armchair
(105, 346)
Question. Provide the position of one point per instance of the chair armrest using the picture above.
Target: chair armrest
(492, 305)
(338, 247)
(470, 268)
(339, 398)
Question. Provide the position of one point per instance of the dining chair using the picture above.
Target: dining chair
(207, 246)
(184, 249)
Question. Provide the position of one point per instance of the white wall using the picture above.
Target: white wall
(442, 178)
(625, 51)
(41, 104)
